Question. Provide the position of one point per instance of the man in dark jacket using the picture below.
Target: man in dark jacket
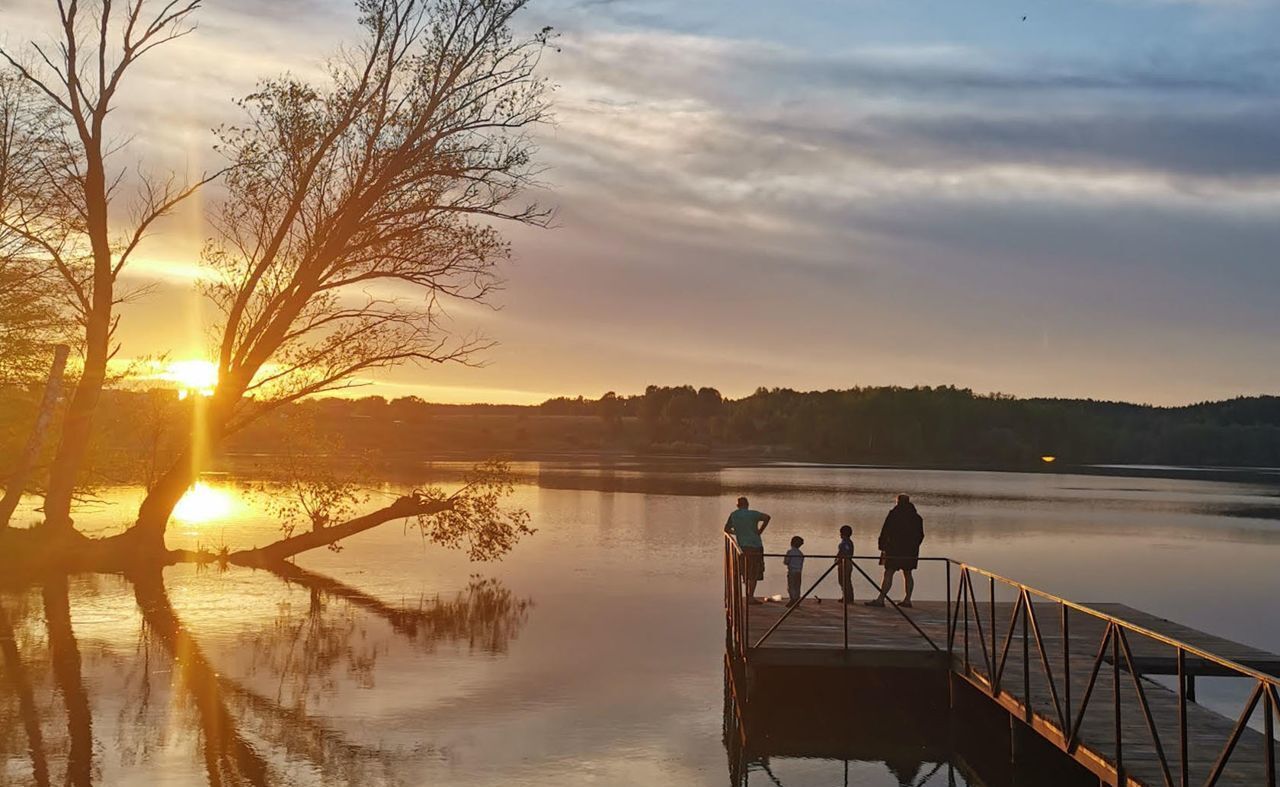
(900, 548)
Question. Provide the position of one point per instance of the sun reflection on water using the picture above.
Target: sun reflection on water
(204, 503)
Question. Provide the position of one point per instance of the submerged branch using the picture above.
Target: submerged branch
(413, 505)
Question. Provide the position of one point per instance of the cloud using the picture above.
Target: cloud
(742, 210)
(712, 137)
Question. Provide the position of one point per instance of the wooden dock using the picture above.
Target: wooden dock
(1089, 692)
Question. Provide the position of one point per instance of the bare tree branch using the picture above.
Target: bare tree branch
(357, 207)
(71, 214)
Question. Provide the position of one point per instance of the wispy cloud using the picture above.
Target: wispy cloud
(748, 198)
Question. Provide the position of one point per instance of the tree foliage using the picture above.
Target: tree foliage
(355, 206)
(475, 518)
(31, 319)
(303, 485)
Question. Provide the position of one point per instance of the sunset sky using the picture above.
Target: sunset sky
(827, 193)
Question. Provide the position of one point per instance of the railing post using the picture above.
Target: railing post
(1269, 730)
(966, 579)
(1115, 699)
(1066, 667)
(844, 602)
(728, 601)
(993, 625)
(1026, 657)
(728, 576)
(746, 603)
(950, 634)
(743, 611)
(1185, 777)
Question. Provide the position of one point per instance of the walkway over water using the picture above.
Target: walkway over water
(1078, 675)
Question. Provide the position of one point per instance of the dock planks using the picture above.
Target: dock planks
(814, 635)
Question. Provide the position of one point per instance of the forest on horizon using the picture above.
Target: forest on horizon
(923, 426)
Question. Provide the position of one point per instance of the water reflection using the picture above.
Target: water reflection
(204, 503)
(800, 728)
(18, 689)
(260, 717)
(797, 727)
(369, 667)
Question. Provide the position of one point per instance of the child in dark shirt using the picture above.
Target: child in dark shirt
(794, 561)
(844, 557)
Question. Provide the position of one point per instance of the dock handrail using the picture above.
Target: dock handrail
(1064, 726)
(734, 575)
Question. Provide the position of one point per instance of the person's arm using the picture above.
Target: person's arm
(728, 525)
(764, 522)
(884, 533)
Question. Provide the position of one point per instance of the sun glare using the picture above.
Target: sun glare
(193, 376)
(203, 503)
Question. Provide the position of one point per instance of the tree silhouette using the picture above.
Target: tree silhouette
(70, 208)
(341, 196)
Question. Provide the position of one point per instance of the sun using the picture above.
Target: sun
(203, 503)
(192, 376)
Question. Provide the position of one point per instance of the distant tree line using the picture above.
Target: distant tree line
(141, 431)
(942, 426)
(946, 425)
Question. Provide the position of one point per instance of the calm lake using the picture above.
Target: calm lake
(593, 654)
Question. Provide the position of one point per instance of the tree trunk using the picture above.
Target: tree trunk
(35, 442)
(207, 433)
(77, 424)
(403, 507)
(77, 428)
(157, 507)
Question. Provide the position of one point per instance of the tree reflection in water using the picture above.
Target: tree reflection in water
(244, 735)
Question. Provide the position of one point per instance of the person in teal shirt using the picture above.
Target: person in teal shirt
(746, 526)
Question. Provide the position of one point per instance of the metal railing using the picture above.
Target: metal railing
(738, 606)
(1064, 726)
(1062, 723)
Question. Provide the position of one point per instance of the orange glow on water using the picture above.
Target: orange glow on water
(203, 503)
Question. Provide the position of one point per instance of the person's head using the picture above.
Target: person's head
(904, 499)
(846, 531)
(796, 542)
(742, 503)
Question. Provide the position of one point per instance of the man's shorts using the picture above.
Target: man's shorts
(754, 558)
(901, 564)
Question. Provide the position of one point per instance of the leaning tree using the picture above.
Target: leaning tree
(354, 210)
